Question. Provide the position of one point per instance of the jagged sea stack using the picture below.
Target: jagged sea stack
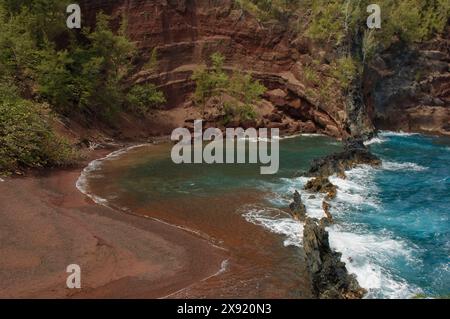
(329, 277)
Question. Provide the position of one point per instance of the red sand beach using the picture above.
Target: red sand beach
(47, 224)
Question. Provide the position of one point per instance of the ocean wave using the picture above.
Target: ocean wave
(375, 140)
(366, 255)
(276, 221)
(286, 137)
(394, 166)
(88, 172)
(400, 133)
(357, 189)
(282, 196)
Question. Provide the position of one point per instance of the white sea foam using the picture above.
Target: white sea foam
(375, 140)
(277, 222)
(88, 172)
(312, 202)
(365, 254)
(311, 134)
(400, 133)
(286, 137)
(394, 166)
(1, 180)
(358, 188)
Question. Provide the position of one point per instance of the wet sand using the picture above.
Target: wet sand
(47, 224)
(258, 265)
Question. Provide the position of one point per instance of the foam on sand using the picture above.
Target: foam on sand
(277, 222)
(89, 172)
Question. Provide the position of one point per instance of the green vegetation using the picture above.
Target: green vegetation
(210, 82)
(215, 82)
(405, 20)
(311, 76)
(265, 10)
(342, 24)
(141, 97)
(344, 70)
(152, 63)
(27, 139)
(84, 73)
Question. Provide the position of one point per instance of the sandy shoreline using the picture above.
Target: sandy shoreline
(47, 224)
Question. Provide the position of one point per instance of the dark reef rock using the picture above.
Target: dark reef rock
(408, 87)
(298, 209)
(326, 210)
(321, 184)
(355, 153)
(329, 277)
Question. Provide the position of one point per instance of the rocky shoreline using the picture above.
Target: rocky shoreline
(329, 276)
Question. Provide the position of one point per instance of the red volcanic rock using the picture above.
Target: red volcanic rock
(185, 34)
(277, 97)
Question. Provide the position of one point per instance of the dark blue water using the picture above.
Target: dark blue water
(413, 203)
(392, 223)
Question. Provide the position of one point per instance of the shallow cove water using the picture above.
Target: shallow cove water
(391, 226)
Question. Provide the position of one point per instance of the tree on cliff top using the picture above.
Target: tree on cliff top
(47, 69)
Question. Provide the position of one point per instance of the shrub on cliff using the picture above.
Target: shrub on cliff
(27, 139)
(265, 10)
(215, 81)
(142, 98)
(344, 70)
(405, 20)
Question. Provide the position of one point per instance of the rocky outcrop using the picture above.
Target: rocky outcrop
(355, 153)
(408, 89)
(297, 208)
(326, 209)
(329, 277)
(321, 184)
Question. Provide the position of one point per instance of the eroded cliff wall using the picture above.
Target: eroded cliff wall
(409, 89)
(402, 90)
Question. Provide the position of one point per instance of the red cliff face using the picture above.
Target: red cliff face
(186, 32)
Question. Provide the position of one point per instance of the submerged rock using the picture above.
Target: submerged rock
(329, 277)
(355, 153)
(298, 209)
